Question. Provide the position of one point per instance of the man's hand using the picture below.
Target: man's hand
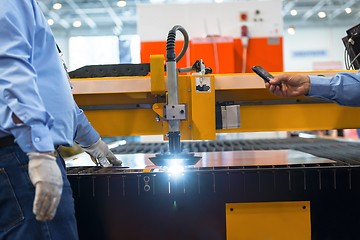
(45, 175)
(101, 155)
(289, 85)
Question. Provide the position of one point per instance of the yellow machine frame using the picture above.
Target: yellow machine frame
(105, 101)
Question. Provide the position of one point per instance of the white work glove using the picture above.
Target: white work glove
(45, 175)
(101, 155)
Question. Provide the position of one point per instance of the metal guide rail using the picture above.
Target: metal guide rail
(344, 152)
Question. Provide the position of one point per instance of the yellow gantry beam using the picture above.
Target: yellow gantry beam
(129, 106)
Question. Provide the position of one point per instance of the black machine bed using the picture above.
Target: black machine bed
(149, 202)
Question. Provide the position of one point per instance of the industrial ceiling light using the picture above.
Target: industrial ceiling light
(348, 10)
(293, 12)
(77, 23)
(219, 1)
(121, 3)
(57, 6)
(50, 21)
(291, 30)
(322, 14)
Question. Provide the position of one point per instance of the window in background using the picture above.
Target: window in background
(94, 50)
(129, 48)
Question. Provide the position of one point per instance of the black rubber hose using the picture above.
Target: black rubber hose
(170, 44)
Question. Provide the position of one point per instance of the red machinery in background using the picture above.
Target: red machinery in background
(225, 54)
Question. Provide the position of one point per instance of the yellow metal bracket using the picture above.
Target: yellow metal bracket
(158, 108)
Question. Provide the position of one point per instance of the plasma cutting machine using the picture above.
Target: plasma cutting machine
(293, 188)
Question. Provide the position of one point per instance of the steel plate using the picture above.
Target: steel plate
(217, 159)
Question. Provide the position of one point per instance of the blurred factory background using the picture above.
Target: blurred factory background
(109, 31)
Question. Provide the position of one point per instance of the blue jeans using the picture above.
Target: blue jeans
(17, 221)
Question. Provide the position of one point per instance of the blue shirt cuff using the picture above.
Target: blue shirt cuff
(89, 139)
(319, 87)
(36, 138)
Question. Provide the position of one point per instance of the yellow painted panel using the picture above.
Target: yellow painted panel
(268, 220)
(203, 110)
(114, 99)
(289, 117)
(252, 119)
(135, 122)
(184, 93)
(157, 74)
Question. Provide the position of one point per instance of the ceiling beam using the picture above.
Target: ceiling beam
(288, 6)
(314, 9)
(54, 15)
(340, 9)
(82, 14)
(114, 17)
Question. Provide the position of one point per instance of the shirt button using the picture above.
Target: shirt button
(37, 139)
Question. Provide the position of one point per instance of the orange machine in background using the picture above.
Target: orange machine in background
(266, 52)
(224, 54)
(159, 47)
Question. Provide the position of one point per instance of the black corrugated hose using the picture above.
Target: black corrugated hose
(170, 44)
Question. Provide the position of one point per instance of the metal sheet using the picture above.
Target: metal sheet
(217, 159)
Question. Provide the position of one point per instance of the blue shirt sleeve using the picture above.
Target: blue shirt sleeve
(85, 134)
(18, 90)
(33, 84)
(343, 88)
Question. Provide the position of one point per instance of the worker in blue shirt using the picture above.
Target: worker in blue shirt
(343, 88)
(37, 114)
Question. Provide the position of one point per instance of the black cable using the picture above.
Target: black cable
(170, 44)
(347, 57)
(352, 62)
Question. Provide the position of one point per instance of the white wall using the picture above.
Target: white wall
(93, 50)
(314, 44)
(200, 20)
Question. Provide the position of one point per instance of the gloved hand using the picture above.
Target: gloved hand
(45, 175)
(101, 155)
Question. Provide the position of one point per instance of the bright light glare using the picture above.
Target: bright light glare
(348, 10)
(175, 169)
(291, 30)
(219, 1)
(57, 6)
(293, 12)
(50, 21)
(77, 23)
(117, 143)
(322, 14)
(121, 3)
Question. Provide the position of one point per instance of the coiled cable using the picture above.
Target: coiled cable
(170, 43)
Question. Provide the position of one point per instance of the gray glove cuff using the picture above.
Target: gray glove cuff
(43, 167)
(92, 146)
